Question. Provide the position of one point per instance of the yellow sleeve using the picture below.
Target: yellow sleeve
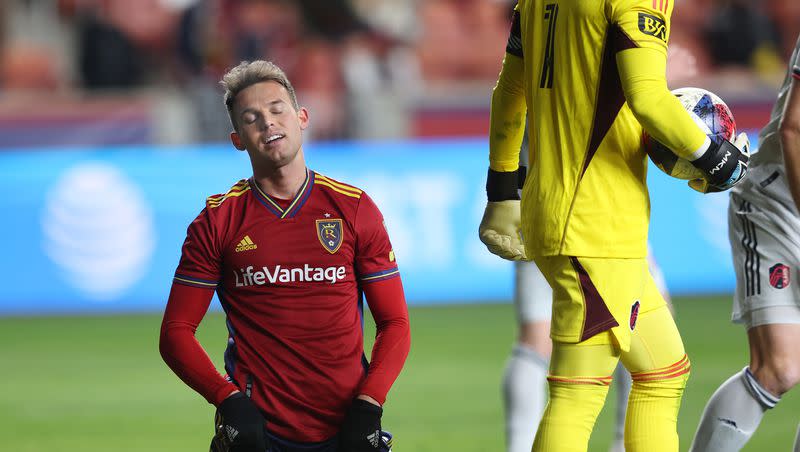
(642, 70)
(507, 117)
(661, 114)
(645, 22)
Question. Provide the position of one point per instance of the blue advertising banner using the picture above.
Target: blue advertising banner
(97, 230)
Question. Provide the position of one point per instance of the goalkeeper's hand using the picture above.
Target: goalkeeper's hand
(239, 426)
(724, 164)
(500, 227)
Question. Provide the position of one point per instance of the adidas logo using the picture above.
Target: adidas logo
(374, 438)
(232, 432)
(246, 245)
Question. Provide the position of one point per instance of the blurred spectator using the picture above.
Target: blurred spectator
(28, 68)
(366, 68)
(689, 22)
(440, 38)
(123, 43)
(740, 34)
(318, 77)
(462, 40)
(34, 48)
(786, 14)
(394, 18)
(108, 58)
(332, 20)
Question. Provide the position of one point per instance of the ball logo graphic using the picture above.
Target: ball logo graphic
(98, 230)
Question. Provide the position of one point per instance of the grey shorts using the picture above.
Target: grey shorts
(765, 257)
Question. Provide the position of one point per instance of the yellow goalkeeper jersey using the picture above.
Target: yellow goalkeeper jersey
(586, 193)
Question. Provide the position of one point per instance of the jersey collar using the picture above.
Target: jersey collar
(297, 202)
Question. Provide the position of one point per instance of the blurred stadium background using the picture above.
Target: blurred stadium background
(112, 132)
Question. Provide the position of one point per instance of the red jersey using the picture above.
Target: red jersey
(289, 276)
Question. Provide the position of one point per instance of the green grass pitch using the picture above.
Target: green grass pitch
(97, 383)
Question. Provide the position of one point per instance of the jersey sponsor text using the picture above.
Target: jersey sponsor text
(248, 277)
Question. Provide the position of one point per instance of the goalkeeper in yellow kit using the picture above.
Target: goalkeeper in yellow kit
(590, 75)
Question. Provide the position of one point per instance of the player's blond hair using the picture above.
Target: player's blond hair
(248, 73)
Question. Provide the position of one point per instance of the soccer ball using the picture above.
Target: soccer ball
(714, 118)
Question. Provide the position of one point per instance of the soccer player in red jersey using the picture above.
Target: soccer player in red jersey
(290, 253)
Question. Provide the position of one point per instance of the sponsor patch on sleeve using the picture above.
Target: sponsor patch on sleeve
(653, 26)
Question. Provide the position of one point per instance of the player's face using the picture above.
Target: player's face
(269, 127)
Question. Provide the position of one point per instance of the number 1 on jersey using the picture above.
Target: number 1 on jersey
(550, 16)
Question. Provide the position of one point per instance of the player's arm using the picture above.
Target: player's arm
(392, 343)
(790, 133)
(508, 109)
(379, 278)
(180, 349)
(499, 228)
(190, 296)
(641, 36)
(387, 304)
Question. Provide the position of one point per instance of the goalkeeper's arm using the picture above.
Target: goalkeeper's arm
(499, 228)
(642, 75)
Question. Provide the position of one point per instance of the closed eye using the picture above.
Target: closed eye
(249, 117)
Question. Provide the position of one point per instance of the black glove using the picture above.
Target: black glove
(724, 163)
(361, 431)
(239, 426)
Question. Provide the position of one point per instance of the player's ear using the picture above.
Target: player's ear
(237, 141)
(302, 115)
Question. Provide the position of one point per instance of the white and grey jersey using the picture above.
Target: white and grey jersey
(769, 149)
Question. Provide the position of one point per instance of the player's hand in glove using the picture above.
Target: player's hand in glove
(361, 431)
(500, 227)
(239, 426)
(724, 164)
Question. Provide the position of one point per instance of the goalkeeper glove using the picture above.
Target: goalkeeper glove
(361, 430)
(500, 227)
(239, 426)
(725, 165)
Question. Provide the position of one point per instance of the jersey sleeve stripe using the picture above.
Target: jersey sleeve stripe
(196, 282)
(239, 186)
(385, 274)
(339, 184)
(332, 187)
(213, 201)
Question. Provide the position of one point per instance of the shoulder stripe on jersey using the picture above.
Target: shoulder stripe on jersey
(237, 186)
(196, 282)
(378, 276)
(237, 190)
(338, 190)
(661, 5)
(338, 184)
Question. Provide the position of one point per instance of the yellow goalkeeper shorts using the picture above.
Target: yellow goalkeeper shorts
(592, 295)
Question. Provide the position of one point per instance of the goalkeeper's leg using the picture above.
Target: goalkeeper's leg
(578, 384)
(659, 368)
